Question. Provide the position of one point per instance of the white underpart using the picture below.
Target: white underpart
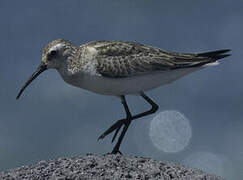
(129, 85)
(211, 64)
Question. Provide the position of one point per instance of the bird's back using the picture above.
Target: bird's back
(118, 59)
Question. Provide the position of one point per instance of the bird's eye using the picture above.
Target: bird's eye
(51, 55)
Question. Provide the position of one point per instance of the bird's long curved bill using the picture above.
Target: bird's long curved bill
(42, 67)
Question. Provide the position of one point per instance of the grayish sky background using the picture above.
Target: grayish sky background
(53, 119)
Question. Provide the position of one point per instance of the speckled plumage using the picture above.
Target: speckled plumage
(124, 59)
(118, 59)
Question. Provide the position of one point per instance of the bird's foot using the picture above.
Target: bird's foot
(115, 127)
(116, 152)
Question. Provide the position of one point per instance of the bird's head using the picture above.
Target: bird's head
(54, 56)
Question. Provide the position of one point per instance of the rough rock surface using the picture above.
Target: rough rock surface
(105, 167)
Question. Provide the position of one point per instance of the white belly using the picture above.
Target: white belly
(123, 86)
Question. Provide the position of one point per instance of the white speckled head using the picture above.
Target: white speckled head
(56, 53)
(55, 56)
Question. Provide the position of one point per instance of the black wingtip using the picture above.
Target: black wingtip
(213, 53)
(219, 54)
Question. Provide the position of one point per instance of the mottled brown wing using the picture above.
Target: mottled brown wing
(124, 59)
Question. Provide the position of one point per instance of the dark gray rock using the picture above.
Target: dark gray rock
(105, 167)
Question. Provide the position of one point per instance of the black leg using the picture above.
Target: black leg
(128, 113)
(126, 122)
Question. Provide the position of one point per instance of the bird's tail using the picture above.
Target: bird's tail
(215, 55)
(209, 58)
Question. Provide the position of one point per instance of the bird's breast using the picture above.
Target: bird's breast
(122, 86)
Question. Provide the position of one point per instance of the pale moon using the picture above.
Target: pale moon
(170, 131)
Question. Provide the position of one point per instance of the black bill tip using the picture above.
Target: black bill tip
(42, 67)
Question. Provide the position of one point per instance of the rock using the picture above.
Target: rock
(105, 167)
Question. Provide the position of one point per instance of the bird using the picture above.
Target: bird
(120, 68)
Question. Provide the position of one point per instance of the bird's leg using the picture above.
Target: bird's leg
(117, 126)
(126, 122)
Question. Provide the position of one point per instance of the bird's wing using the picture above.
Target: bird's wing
(124, 59)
